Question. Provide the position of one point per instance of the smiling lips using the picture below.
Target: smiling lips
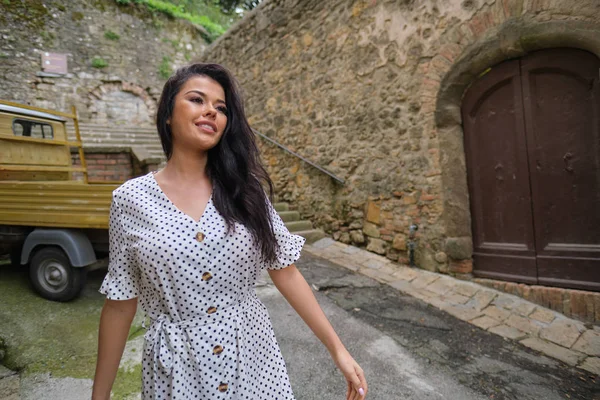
(207, 126)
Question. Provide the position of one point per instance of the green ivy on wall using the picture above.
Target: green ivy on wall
(213, 28)
(99, 62)
(164, 69)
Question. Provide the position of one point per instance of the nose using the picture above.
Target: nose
(209, 110)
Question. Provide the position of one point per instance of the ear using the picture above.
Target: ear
(169, 121)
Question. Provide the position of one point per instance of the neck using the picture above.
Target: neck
(186, 166)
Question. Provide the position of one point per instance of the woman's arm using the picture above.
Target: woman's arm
(292, 285)
(115, 323)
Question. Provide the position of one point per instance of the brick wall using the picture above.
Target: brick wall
(107, 166)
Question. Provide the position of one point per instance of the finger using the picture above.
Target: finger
(348, 391)
(363, 382)
(357, 385)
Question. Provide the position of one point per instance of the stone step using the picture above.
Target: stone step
(295, 226)
(281, 207)
(112, 135)
(113, 128)
(311, 235)
(119, 142)
(289, 216)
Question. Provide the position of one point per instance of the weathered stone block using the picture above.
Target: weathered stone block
(377, 246)
(482, 299)
(461, 312)
(399, 242)
(357, 237)
(406, 274)
(441, 257)
(380, 276)
(589, 343)
(563, 332)
(543, 315)
(424, 280)
(371, 230)
(373, 212)
(591, 364)
(441, 286)
(550, 349)
(455, 298)
(459, 248)
(508, 332)
(485, 322)
(523, 324)
(497, 313)
(465, 289)
(524, 308)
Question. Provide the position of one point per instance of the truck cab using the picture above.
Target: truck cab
(53, 221)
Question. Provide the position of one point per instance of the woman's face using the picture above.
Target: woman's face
(199, 114)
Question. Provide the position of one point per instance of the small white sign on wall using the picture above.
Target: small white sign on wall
(55, 63)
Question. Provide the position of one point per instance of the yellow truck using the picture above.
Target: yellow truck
(52, 219)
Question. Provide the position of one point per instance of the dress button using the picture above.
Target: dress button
(217, 349)
(207, 276)
(200, 236)
(211, 310)
(223, 387)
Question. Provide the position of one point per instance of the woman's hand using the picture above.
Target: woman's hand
(357, 385)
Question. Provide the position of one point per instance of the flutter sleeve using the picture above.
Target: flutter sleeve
(289, 244)
(122, 280)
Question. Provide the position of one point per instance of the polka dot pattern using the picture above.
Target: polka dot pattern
(210, 336)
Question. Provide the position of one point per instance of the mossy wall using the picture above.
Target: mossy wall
(118, 56)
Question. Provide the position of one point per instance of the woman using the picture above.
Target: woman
(190, 241)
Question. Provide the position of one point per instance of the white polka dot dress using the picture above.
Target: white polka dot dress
(210, 337)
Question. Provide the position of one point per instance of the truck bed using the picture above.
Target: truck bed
(57, 204)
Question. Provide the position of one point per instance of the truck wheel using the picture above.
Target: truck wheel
(53, 277)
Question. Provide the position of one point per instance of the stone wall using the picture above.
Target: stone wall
(139, 48)
(371, 90)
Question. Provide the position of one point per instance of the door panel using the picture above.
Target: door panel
(498, 176)
(561, 103)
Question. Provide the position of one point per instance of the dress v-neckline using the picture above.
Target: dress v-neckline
(186, 215)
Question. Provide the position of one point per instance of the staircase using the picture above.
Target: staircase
(292, 221)
(118, 136)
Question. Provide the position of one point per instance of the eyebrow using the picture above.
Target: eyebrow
(204, 95)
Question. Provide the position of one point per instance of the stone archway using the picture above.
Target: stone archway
(450, 74)
(121, 103)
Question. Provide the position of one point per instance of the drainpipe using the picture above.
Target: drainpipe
(412, 231)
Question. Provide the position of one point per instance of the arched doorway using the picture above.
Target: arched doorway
(532, 146)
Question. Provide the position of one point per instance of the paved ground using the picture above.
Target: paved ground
(448, 349)
(408, 348)
(508, 316)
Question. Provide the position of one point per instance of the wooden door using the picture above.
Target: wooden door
(561, 99)
(533, 157)
(498, 175)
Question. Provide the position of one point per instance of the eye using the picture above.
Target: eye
(197, 100)
(222, 109)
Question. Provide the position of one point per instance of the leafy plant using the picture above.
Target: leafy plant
(197, 17)
(98, 62)
(110, 35)
(164, 69)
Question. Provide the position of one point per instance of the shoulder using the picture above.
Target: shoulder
(132, 188)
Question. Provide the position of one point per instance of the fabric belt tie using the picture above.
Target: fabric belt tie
(164, 336)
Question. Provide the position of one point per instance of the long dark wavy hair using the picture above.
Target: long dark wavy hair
(234, 164)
